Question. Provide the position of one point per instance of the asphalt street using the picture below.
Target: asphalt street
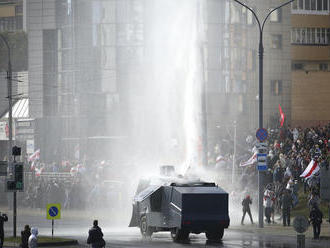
(76, 224)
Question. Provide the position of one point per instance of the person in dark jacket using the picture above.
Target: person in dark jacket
(246, 208)
(95, 236)
(315, 218)
(25, 234)
(287, 203)
(3, 218)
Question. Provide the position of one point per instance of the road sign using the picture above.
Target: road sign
(53, 211)
(262, 161)
(262, 147)
(262, 134)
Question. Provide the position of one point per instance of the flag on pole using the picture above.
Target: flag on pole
(250, 161)
(34, 156)
(311, 169)
(281, 115)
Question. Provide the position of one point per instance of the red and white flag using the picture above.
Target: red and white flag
(251, 161)
(34, 156)
(282, 115)
(311, 169)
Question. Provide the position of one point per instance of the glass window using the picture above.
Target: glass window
(308, 35)
(297, 35)
(276, 41)
(303, 36)
(325, 5)
(318, 35)
(322, 37)
(235, 13)
(276, 87)
(313, 4)
(328, 37)
(319, 4)
(294, 5)
(276, 16)
(312, 36)
(301, 4)
(249, 18)
(323, 67)
(307, 4)
(297, 66)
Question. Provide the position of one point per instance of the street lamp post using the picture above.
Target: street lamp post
(234, 154)
(10, 124)
(261, 58)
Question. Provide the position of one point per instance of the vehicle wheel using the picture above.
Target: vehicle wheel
(215, 235)
(179, 234)
(146, 230)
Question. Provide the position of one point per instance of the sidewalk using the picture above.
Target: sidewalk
(287, 231)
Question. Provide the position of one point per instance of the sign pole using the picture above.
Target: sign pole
(53, 212)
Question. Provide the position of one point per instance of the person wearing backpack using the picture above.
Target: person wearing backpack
(315, 218)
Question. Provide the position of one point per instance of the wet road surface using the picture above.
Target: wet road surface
(232, 238)
(235, 236)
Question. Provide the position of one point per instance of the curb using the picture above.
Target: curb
(60, 243)
(46, 244)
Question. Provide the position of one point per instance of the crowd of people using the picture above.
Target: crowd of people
(290, 151)
(89, 185)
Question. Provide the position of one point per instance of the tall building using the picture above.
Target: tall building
(310, 54)
(233, 65)
(81, 53)
(12, 16)
(12, 23)
(101, 75)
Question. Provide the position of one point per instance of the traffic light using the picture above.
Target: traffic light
(19, 176)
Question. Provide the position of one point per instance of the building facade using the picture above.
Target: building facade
(12, 16)
(92, 87)
(310, 53)
(233, 65)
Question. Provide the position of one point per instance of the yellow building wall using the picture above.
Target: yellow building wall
(310, 53)
(7, 11)
(310, 98)
(310, 21)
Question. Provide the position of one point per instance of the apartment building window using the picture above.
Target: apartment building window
(276, 41)
(235, 13)
(323, 67)
(276, 87)
(314, 7)
(297, 66)
(249, 18)
(310, 36)
(276, 16)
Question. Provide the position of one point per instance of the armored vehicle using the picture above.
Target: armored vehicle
(181, 208)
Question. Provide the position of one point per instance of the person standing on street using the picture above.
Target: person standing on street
(286, 207)
(33, 239)
(315, 217)
(246, 208)
(25, 234)
(95, 236)
(3, 218)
